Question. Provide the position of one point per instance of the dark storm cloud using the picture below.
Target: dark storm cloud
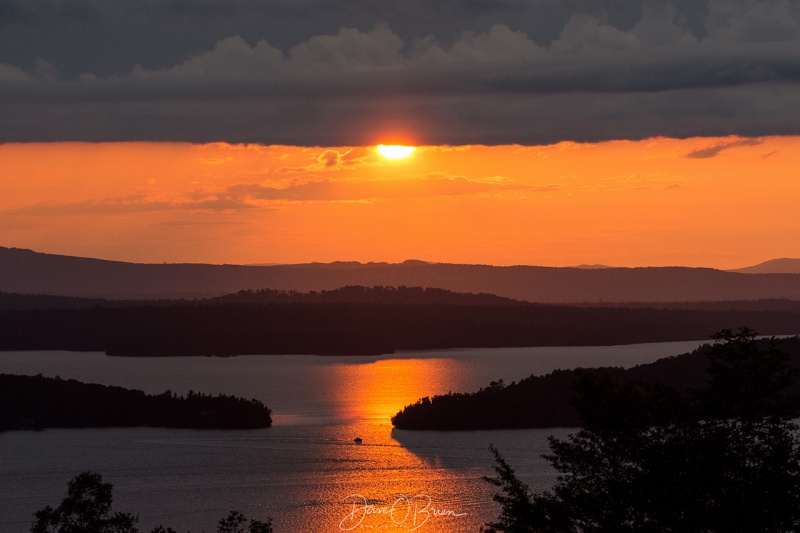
(348, 72)
(716, 149)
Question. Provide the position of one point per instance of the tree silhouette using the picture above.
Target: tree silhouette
(514, 497)
(722, 458)
(235, 523)
(87, 509)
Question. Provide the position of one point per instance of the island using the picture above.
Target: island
(38, 402)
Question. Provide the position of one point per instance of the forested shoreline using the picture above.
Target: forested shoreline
(344, 328)
(548, 401)
(37, 402)
(347, 294)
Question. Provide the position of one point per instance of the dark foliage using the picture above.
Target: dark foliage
(355, 328)
(724, 457)
(514, 497)
(87, 509)
(235, 523)
(549, 401)
(35, 402)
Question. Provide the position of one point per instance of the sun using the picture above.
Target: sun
(395, 151)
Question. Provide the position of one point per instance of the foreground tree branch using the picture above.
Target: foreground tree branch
(724, 457)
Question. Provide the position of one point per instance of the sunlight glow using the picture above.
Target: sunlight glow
(395, 151)
(617, 203)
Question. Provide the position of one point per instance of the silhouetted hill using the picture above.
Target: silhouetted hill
(546, 401)
(36, 402)
(349, 294)
(773, 266)
(27, 272)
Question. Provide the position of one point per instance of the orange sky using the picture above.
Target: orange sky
(720, 202)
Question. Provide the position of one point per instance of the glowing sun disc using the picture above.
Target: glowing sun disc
(395, 151)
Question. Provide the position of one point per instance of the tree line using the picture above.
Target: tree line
(357, 328)
(348, 294)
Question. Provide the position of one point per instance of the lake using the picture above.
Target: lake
(305, 472)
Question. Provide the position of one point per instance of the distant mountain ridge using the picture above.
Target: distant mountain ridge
(29, 272)
(784, 265)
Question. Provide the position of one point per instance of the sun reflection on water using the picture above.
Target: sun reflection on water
(388, 483)
(380, 389)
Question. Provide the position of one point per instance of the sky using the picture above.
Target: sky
(549, 132)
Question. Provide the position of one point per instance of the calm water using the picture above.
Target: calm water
(305, 471)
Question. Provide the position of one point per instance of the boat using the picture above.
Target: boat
(358, 440)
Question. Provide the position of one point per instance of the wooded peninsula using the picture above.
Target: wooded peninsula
(37, 402)
(549, 400)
